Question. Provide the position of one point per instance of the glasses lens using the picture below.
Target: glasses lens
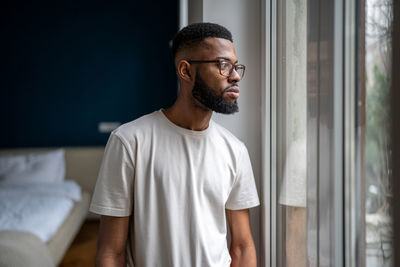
(225, 67)
(240, 70)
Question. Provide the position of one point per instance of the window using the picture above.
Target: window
(330, 133)
(291, 134)
(375, 139)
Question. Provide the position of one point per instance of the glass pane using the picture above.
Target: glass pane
(291, 132)
(376, 168)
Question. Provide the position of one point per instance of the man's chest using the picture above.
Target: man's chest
(181, 166)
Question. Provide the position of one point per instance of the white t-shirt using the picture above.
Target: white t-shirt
(176, 184)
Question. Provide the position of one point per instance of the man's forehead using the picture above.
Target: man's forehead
(210, 48)
(216, 48)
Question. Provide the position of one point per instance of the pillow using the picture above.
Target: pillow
(11, 164)
(44, 167)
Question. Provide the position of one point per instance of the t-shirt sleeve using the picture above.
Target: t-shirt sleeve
(113, 194)
(244, 192)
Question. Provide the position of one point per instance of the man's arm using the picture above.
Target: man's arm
(111, 246)
(243, 251)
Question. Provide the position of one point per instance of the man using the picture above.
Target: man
(170, 179)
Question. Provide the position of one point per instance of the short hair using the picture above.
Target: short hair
(193, 34)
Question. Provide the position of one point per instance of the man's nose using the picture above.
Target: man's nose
(234, 77)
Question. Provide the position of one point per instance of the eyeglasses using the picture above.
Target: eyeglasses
(225, 66)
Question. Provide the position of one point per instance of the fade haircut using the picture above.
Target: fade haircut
(193, 34)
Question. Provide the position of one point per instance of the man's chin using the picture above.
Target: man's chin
(227, 108)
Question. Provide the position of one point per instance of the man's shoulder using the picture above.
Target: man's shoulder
(227, 136)
(138, 126)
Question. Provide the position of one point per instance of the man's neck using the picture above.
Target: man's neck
(188, 116)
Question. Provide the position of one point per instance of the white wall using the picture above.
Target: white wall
(243, 19)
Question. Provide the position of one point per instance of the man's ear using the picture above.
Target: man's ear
(183, 70)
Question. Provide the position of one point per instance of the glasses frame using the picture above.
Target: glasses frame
(219, 61)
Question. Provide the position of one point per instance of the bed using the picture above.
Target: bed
(35, 183)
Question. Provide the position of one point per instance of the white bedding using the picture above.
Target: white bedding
(37, 208)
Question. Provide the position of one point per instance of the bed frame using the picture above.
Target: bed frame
(24, 249)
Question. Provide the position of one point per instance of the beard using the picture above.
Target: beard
(207, 96)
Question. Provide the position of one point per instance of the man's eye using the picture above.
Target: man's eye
(224, 65)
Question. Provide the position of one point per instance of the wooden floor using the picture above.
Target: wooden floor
(83, 248)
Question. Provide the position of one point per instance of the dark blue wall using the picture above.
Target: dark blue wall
(65, 69)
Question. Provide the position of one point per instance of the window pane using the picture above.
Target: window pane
(292, 132)
(376, 165)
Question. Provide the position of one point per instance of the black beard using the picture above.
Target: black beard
(206, 96)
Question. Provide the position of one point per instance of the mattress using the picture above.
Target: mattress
(39, 209)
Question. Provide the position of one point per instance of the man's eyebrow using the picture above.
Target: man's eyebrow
(228, 59)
